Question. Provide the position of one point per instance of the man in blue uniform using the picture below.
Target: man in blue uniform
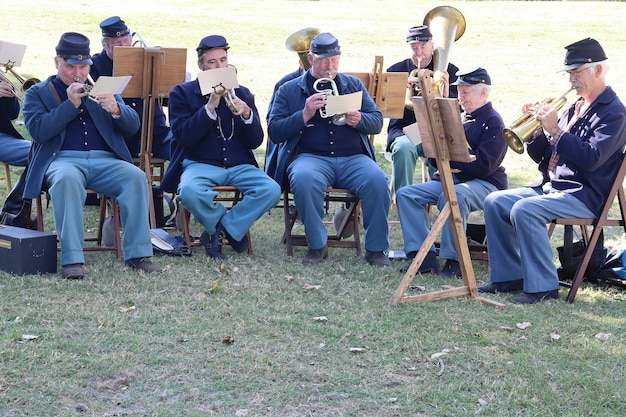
(578, 154)
(404, 153)
(213, 146)
(315, 153)
(116, 33)
(473, 181)
(78, 144)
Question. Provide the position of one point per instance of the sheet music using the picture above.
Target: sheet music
(11, 53)
(344, 103)
(217, 78)
(110, 85)
(412, 131)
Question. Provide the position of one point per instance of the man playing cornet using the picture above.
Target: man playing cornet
(213, 143)
(318, 150)
(578, 154)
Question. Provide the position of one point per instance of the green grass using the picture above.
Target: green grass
(252, 346)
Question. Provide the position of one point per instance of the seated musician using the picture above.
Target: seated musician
(78, 144)
(116, 33)
(213, 146)
(315, 153)
(473, 181)
(578, 153)
(404, 153)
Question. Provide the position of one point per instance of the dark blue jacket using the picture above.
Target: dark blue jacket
(483, 130)
(9, 110)
(199, 138)
(286, 124)
(395, 125)
(46, 121)
(590, 154)
(103, 65)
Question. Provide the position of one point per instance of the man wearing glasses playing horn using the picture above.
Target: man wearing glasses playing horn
(214, 138)
(318, 149)
(578, 153)
(404, 153)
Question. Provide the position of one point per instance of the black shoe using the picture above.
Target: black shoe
(508, 286)
(534, 297)
(213, 243)
(429, 264)
(143, 264)
(451, 269)
(377, 258)
(73, 271)
(315, 256)
(240, 246)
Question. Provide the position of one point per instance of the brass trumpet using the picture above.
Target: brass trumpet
(87, 87)
(338, 119)
(522, 129)
(25, 83)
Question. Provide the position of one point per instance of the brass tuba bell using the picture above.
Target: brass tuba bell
(299, 42)
(447, 25)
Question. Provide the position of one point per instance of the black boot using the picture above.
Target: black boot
(16, 211)
(13, 203)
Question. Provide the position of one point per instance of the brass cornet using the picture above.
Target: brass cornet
(87, 87)
(414, 89)
(338, 119)
(522, 129)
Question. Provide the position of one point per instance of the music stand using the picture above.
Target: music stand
(443, 138)
(155, 71)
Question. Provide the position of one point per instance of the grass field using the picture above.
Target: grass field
(261, 335)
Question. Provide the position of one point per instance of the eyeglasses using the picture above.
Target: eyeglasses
(576, 73)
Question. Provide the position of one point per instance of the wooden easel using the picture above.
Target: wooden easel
(155, 71)
(443, 138)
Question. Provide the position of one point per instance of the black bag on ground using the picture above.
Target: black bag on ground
(614, 268)
(570, 261)
(166, 244)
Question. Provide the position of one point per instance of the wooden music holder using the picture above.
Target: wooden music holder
(443, 138)
(155, 71)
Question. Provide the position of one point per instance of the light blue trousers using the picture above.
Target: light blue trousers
(517, 237)
(310, 175)
(413, 199)
(13, 151)
(195, 191)
(68, 177)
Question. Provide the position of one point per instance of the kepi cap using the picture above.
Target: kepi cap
(472, 76)
(419, 34)
(583, 52)
(212, 42)
(325, 45)
(74, 49)
(114, 27)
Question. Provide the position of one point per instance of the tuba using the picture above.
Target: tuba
(447, 25)
(338, 119)
(522, 129)
(299, 43)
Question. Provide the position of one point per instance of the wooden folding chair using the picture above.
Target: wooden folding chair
(597, 224)
(7, 176)
(349, 200)
(227, 194)
(98, 240)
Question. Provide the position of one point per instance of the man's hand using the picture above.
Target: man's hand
(75, 93)
(313, 103)
(6, 89)
(108, 103)
(353, 118)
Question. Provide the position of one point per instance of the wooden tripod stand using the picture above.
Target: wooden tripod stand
(443, 138)
(155, 71)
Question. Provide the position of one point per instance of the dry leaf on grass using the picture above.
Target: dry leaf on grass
(604, 336)
(127, 309)
(29, 337)
(214, 286)
(320, 318)
(357, 349)
(309, 287)
(228, 340)
(555, 336)
(523, 325)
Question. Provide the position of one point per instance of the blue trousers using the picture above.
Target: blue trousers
(195, 191)
(413, 199)
(13, 151)
(517, 237)
(404, 156)
(68, 177)
(310, 175)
